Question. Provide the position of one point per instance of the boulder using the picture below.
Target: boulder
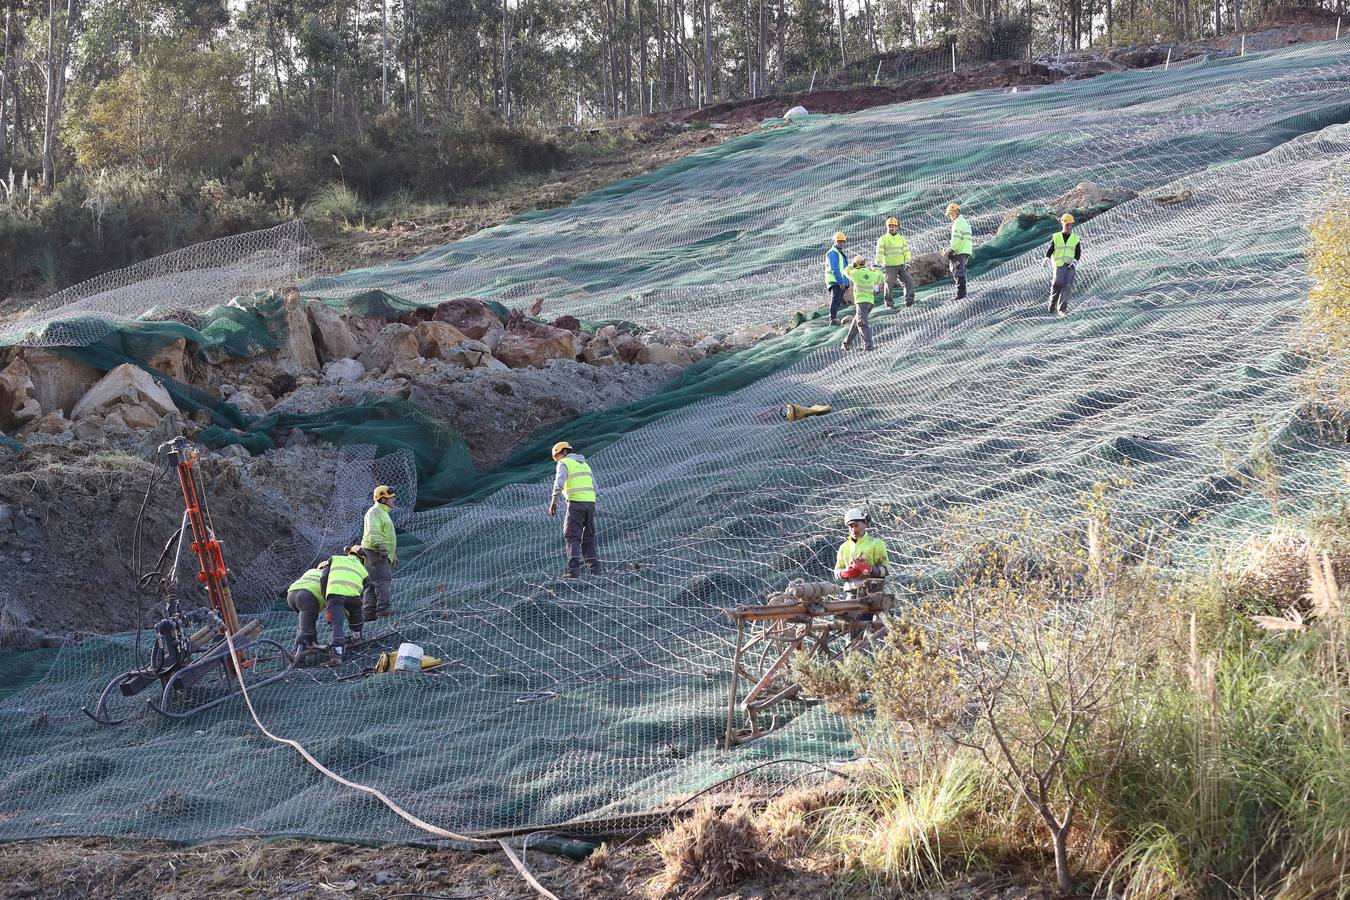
(530, 343)
(661, 353)
(18, 404)
(297, 343)
(332, 338)
(925, 268)
(744, 337)
(437, 339)
(795, 113)
(90, 428)
(171, 359)
(627, 347)
(395, 341)
(568, 323)
(132, 417)
(599, 351)
(129, 385)
(58, 383)
(52, 423)
(365, 329)
(473, 317)
(246, 403)
(1088, 198)
(343, 370)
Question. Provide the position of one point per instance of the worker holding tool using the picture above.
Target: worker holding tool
(893, 256)
(305, 596)
(574, 481)
(960, 249)
(1063, 253)
(381, 544)
(835, 279)
(861, 556)
(345, 583)
(866, 282)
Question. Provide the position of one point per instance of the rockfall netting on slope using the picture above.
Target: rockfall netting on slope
(580, 699)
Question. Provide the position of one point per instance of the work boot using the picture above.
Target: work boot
(334, 657)
(834, 322)
(1054, 306)
(356, 635)
(301, 648)
(596, 570)
(571, 573)
(909, 301)
(890, 304)
(960, 289)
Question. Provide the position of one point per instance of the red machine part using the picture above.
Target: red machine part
(210, 557)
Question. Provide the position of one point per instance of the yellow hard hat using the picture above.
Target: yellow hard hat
(356, 550)
(840, 236)
(383, 492)
(953, 208)
(892, 221)
(859, 261)
(1066, 219)
(560, 448)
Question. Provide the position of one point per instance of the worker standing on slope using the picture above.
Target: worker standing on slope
(866, 283)
(381, 545)
(305, 596)
(343, 588)
(835, 279)
(574, 481)
(1064, 253)
(893, 256)
(861, 556)
(960, 249)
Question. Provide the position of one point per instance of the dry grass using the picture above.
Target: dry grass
(710, 851)
(1272, 570)
(49, 473)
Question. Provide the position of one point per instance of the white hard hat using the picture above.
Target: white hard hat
(855, 514)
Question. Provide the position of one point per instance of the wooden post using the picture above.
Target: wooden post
(1243, 52)
(1338, 28)
(953, 56)
(876, 79)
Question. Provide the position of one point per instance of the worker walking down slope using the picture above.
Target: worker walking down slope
(866, 283)
(573, 479)
(381, 545)
(343, 588)
(861, 556)
(305, 596)
(835, 279)
(1064, 253)
(960, 249)
(893, 256)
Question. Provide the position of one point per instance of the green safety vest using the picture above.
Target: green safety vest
(346, 576)
(961, 242)
(579, 485)
(863, 281)
(1064, 248)
(893, 250)
(311, 581)
(379, 531)
(870, 548)
(829, 270)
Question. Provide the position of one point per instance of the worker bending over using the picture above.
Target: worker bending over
(835, 279)
(960, 249)
(893, 256)
(342, 590)
(866, 282)
(861, 556)
(381, 545)
(574, 481)
(305, 596)
(1064, 253)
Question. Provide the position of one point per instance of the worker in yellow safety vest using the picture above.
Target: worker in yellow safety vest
(960, 249)
(835, 279)
(866, 284)
(861, 556)
(1063, 253)
(342, 590)
(381, 545)
(574, 481)
(893, 256)
(305, 596)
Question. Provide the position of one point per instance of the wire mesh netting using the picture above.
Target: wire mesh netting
(566, 700)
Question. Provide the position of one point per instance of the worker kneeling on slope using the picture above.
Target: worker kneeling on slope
(305, 596)
(1064, 253)
(894, 256)
(866, 282)
(573, 479)
(381, 545)
(346, 582)
(861, 556)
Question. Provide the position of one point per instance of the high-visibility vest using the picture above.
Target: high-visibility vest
(379, 531)
(346, 576)
(870, 548)
(864, 280)
(893, 250)
(311, 581)
(961, 242)
(579, 485)
(1064, 249)
(829, 267)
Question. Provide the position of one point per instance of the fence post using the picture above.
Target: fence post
(813, 81)
(953, 56)
(876, 79)
(1338, 28)
(1168, 63)
(1243, 52)
(651, 98)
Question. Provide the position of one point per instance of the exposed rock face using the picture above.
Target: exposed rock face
(473, 317)
(436, 340)
(18, 403)
(58, 383)
(126, 385)
(332, 338)
(1089, 197)
(531, 343)
(297, 343)
(395, 342)
(343, 370)
(246, 403)
(171, 359)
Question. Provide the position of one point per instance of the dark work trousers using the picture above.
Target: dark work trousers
(836, 300)
(899, 274)
(307, 605)
(860, 324)
(579, 533)
(376, 599)
(343, 611)
(958, 268)
(1059, 288)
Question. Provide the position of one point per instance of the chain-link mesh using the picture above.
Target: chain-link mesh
(561, 699)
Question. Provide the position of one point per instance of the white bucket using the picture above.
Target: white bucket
(409, 658)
